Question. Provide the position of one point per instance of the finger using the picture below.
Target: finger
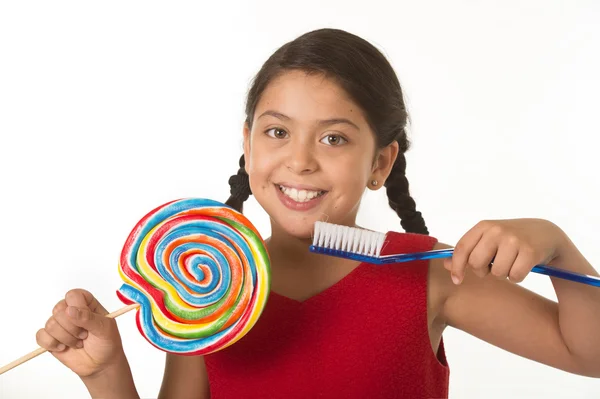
(92, 322)
(482, 255)
(66, 323)
(84, 299)
(505, 258)
(56, 331)
(462, 251)
(47, 342)
(59, 307)
(522, 265)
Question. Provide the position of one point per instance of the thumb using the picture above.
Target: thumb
(94, 323)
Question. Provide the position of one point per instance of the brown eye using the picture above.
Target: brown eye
(334, 140)
(276, 133)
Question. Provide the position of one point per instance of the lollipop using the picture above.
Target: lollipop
(199, 274)
(199, 271)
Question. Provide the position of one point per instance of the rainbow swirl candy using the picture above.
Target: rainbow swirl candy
(200, 272)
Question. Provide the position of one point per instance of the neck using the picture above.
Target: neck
(290, 252)
(298, 273)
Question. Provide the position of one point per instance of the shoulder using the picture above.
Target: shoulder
(437, 286)
(431, 272)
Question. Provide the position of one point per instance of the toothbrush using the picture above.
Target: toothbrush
(365, 246)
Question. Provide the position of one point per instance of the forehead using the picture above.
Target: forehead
(308, 96)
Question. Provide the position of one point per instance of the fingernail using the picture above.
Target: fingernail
(60, 347)
(82, 334)
(455, 279)
(79, 344)
(73, 312)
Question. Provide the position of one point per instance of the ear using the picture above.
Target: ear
(383, 163)
(246, 132)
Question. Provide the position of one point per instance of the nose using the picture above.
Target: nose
(301, 158)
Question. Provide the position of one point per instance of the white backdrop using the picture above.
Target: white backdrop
(108, 109)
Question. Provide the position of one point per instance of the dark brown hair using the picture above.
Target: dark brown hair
(369, 79)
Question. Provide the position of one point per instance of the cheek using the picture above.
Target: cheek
(259, 164)
(352, 172)
(259, 169)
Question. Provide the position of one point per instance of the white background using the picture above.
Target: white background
(108, 109)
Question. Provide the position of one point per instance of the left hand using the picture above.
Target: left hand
(515, 246)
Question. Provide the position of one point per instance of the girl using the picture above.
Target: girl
(325, 119)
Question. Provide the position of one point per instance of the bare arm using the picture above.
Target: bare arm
(578, 309)
(113, 382)
(185, 378)
(564, 335)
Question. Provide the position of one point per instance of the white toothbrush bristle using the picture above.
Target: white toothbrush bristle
(348, 239)
(352, 240)
(338, 236)
(373, 244)
(344, 243)
(328, 234)
(380, 241)
(360, 238)
(316, 234)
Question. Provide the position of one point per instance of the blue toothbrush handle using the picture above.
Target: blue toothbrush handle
(541, 269)
(447, 253)
(572, 276)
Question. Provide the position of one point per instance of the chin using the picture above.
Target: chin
(298, 230)
(301, 234)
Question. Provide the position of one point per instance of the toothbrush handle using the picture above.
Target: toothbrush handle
(572, 276)
(435, 254)
(541, 269)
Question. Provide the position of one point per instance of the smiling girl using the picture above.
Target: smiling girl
(325, 120)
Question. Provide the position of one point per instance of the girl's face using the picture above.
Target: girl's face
(311, 153)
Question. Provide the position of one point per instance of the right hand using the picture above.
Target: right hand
(80, 336)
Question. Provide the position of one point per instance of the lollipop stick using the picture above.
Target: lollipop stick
(124, 309)
(39, 351)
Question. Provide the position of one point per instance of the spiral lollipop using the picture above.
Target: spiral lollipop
(199, 271)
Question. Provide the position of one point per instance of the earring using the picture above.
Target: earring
(374, 182)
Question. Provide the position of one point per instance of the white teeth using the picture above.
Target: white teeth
(300, 195)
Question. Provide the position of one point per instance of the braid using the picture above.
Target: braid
(239, 187)
(400, 200)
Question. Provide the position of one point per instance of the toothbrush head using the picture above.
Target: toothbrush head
(348, 239)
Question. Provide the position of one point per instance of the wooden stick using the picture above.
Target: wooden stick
(39, 351)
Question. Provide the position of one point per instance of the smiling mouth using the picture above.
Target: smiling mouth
(300, 195)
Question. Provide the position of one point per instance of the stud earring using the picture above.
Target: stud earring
(374, 182)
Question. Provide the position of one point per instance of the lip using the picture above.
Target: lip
(298, 206)
(299, 186)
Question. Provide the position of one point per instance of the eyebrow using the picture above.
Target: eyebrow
(325, 122)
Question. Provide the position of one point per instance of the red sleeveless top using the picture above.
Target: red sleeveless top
(364, 337)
